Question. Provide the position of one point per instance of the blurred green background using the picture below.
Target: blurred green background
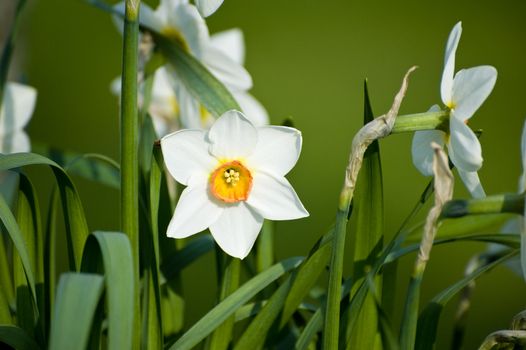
(308, 59)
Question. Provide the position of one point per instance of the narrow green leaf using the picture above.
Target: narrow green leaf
(265, 247)
(227, 307)
(5, 309)
(91, 166)
(6, 277)
(49, 260)
(206, 88)
(428, 320)
(12, 228)
(76, 226)
(17, 338)
(115, 250)
(367, 242)
(501, 203)
(78, 295)
(220, 338)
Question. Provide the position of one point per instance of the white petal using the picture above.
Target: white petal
(236, 229)
(472, 182)
(277, 150)
(228, 71)
(186, 155)
(195, 212)
(207, 7)
(232, 136)
(422, 151)
(232, 43)
(274, 198)
(253, 110)
(18, 105)
(471, 87)
(189, 110)
(186, 19)
(15, 143)
(116, 85)
(446, 85)
(464, 147)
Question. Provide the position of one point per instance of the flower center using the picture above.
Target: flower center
(175, 35)
(231, 182)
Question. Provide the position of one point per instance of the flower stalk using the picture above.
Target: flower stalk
(421, 121)
(376, 129)
(129, 146)
(443, 192)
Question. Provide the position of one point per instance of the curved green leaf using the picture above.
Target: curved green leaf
(227, 307)
(196, 248)
(76, 226)
(115, 250)
(77, 298)
(17, 338)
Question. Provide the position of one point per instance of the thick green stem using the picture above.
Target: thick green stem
(129, 147)
(496, 204)
(421, 121)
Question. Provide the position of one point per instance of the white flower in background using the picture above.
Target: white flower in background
(462, 93)
(234, 175)
(208, 7)
(222, 54)
(18, 104)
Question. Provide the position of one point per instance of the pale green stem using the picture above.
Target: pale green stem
(501, 203)
(129, 147)
(421, 121)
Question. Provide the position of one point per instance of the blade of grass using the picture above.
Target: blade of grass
(17, 338)
(72, 288)
(265, 247)
(368, 240)
(227, 307)
(76, 226)
(114, 249)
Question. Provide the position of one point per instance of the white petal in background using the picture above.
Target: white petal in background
(186, 154)
(471, 87)
(17, 107)
(147, 17)
(232, 43)
(274, 198)
(446, 85)
(208, 7)
(277, 150)
(188, 22)
(472, 182)
(422, 151)
(194, 213)
(464, 147)
(232, 136)
(232, 74)
(236, 229)
(252, 108)
(15, 142)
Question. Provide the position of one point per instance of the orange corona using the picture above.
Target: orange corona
(231, 182)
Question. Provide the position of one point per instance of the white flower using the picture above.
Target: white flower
(222, 54)
(208, 7)
(462, 93)
(17, 107)
(234, 175)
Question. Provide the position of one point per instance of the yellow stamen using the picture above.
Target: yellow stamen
(231, 182)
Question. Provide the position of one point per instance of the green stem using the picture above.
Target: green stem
(497, 204)
(223, 334)
(332, 311)
(129, 147)
(421, 121)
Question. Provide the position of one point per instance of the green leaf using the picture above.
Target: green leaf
(76, 226)
(368, 207)
(206, 88)
(91, 166)
(77, 298)
(115, 250)
(428, 320)
(12, 228)
(265, 246)
(196, 248)
(17, 338)
(227, 307)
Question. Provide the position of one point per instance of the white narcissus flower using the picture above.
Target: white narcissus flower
(234, 175)
(221, 53)
(462, 93)
(18, 104)
(208, 7)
